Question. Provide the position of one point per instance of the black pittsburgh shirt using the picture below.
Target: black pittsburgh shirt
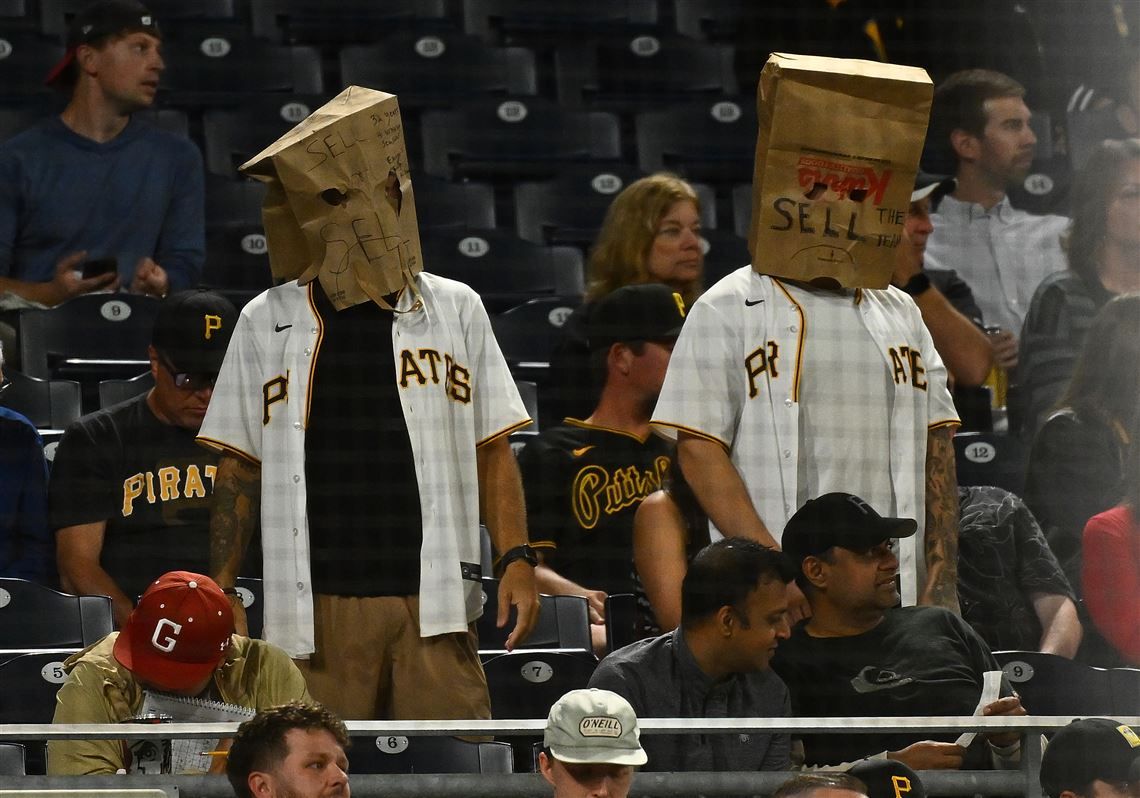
(583, 485)
(365, 526)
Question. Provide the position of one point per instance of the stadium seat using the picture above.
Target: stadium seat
(742, 209)
(621, 620)
(989, 458)
(230, 202)
(724, 253)
(713, 141)
(237, 257)
(519, 138)
(355, 21)
(641, 71)
(12, 759)
(111, 392)
(88, 338)
(50, 404)
(528, 391)
(36, 617)
(12, 10)
(30, 684)
(55, 15)
(527, 333)
(25, 60)
(442, 204)
(397, 754)
(220, 71)
(524, 684)
(19, 114)
(503, 269)
(1052, 685)
(435, 70)
(563, 623)
(234, 135)
(251, 592)
(553, 20)
(171, 120)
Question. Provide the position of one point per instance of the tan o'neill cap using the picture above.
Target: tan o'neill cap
(595, 727)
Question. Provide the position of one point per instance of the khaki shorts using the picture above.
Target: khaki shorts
(372, 664)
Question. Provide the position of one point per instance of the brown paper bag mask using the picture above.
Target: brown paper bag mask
(836, 156)
(339, 205)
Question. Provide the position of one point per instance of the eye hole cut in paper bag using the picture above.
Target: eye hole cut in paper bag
(836, 157)
(339, 204)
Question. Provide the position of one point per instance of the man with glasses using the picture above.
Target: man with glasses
(130, 490)
(862, 655)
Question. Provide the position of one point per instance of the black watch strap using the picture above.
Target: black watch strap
(523, 552)
(919, 284)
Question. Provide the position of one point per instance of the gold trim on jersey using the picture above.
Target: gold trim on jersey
(800, 338)
(691, 431)
(316, 351)
(950, 422)
(225, 448)
(577, 422)
(505, 431)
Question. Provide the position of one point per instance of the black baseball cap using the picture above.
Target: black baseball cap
(645, 312)
(193, 329)
(98, 21)
(1086, 750)
(934, 186)
(888, 778)
(839, 519)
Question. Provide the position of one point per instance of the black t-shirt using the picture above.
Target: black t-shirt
(365, 526)
(917, 661)
(583, 485)
(148, 480)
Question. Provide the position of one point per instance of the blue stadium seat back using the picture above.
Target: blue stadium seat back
(525, 684)
(30, 683)
(725, 252)
(517, 138)
(234, 135)
(309, 21)
(569, 208)
(528, 333)
(504, 270)
(442, 204)
(218, 70)
(25, 60)
(12, 759)
(252, 593)
(398, 754)
(437, 69)
(641, 70)
(237, 257)
(112, 392)
(621, 620)
(712, 141)
(36, 617)
(551, 21)
(110, 331)
(230, 202)
(563, 623)
(1052, 685)
(991, 458)
(49, 404)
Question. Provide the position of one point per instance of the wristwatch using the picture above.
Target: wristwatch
(523, 552)
(919, 284)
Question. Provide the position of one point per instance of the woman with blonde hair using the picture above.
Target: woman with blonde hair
(651, 234)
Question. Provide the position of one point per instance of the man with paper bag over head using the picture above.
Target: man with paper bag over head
(363, 412)
(804, 373)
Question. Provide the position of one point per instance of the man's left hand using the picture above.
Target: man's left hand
(150, 279)
(517, 587)
(1008, 706)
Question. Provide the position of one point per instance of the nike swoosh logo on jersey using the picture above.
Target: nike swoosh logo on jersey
(752, 302)
(280, 327)
(872, 680)
(582, 451)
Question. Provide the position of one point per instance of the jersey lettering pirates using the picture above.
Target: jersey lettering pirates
(149, 481)
(583, 485)
(812, 391)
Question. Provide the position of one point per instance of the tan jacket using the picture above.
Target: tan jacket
(254, 674)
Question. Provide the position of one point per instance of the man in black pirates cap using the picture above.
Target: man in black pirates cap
(102, 199)
(1092, 758)
(130, 490)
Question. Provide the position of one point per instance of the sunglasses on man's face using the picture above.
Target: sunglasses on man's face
(187, 381)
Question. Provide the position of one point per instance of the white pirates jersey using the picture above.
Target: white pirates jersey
(736, 377)
(456, 393)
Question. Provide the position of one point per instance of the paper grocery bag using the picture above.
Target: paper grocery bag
(836, 157)
(339, 203)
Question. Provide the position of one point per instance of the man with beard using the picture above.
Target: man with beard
(584, 479)
(290, 751)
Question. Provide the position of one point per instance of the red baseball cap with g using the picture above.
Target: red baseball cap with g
(179, 632)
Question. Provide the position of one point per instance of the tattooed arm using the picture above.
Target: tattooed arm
(941, 588)
(236, 514)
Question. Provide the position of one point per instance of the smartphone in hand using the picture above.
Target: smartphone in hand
(99, 266)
